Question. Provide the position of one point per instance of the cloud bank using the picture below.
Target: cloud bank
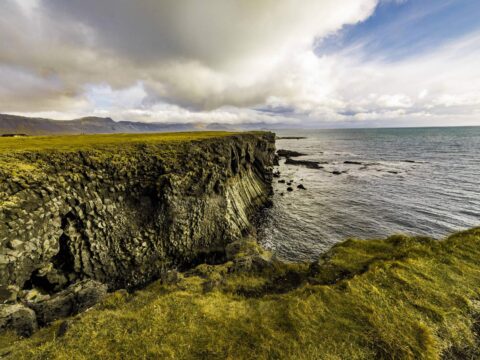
(226, 61)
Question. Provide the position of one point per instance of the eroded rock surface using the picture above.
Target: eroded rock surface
(73, 300)
(18, 318)
(122, 216)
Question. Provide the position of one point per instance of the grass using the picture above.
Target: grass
(397, 298)
(32, 156)
(85, 142)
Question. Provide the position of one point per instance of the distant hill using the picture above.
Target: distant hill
(12, 124)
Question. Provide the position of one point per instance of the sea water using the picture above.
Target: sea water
(417, 181)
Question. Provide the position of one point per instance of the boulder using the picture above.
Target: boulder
(252, 263)
(63, 328)
(275, 160)
(73, 300)
(248, 256)
(290, 137)
(18, 318)
(33, 295)
(300, 186)
(307, 163)
(8, 293)
(289, 153)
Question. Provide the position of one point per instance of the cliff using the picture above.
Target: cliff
(122, 209)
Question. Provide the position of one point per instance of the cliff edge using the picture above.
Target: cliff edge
(122, 209)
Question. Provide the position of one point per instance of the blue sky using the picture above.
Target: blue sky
(398, 29)
(328, 63)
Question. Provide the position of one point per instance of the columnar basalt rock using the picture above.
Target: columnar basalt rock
(123, 215)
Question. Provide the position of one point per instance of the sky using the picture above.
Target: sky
(314, 63)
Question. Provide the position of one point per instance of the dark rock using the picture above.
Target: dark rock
(171, 277)
(232, 249)
(59, 307)
(252, 263)
(8, 293)
(289, 188)
(18, 318)
(63, 328)
(307, 163)
(300, 186)
(247, 256)
(276, 159)
(13, 135)
(409, 161)
(289, 153)
(210, 285)
(276, 174)
(73, 300)
(336, 172)
(291, 138)
(281, 181)
(51, 278)
(353, 162)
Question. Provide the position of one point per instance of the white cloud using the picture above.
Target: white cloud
(430, 87)
(200, 55)
(216, 60)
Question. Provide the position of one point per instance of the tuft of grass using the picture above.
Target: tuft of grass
(397, 298)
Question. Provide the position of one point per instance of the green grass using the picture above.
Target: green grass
(398, 298)
(85, 142)
(34, 155)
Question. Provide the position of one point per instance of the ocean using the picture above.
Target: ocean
(417, 181)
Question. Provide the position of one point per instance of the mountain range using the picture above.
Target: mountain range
(13, 124)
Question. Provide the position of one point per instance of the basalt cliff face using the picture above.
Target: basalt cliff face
(123, 215)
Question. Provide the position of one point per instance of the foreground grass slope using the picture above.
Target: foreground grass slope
(398, 298)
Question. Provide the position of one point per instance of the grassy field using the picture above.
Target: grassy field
(397, 298)
(85, 142)
(112, 146)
